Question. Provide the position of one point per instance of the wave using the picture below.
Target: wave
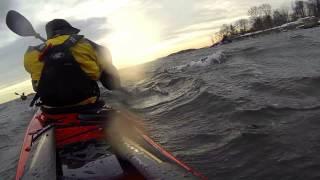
(294, 87)
(165, 89)
(218, 57)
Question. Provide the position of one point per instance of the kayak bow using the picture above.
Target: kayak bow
(103, 144)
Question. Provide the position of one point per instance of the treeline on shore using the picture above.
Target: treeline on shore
(264, 17)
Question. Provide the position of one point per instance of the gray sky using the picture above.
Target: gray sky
(135, 31)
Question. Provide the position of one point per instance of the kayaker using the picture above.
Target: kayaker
(65, 69)
(23, 97)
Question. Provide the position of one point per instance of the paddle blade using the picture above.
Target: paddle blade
(19, 24)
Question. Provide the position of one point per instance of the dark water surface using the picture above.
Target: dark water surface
(246, 110)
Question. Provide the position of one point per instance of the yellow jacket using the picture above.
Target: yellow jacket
(94, 60)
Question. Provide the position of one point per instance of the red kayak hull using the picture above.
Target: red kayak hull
(34, 125)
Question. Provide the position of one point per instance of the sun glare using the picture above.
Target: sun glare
(132, 36)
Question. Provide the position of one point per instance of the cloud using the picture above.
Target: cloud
(4, 6)
(93, 28)
(12, 69)
(180, 14)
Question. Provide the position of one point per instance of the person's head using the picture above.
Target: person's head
(59, 27)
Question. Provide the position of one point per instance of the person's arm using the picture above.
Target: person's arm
(34, 85)
(32, 65)
(109, 77)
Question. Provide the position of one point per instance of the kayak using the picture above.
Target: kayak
(96, 142)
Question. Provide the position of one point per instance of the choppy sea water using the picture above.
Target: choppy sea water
(245, 110)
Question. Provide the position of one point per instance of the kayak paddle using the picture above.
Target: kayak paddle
(21, 25)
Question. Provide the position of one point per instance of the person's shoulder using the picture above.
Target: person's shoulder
(39, 48)
(95, 46)
(92, 43)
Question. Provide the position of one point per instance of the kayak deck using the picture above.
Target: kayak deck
(94, 160)
(104, 145)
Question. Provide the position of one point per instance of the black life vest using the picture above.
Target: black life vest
(62, 81)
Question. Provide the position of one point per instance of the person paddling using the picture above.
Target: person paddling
(66, 67)
(23, 97)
